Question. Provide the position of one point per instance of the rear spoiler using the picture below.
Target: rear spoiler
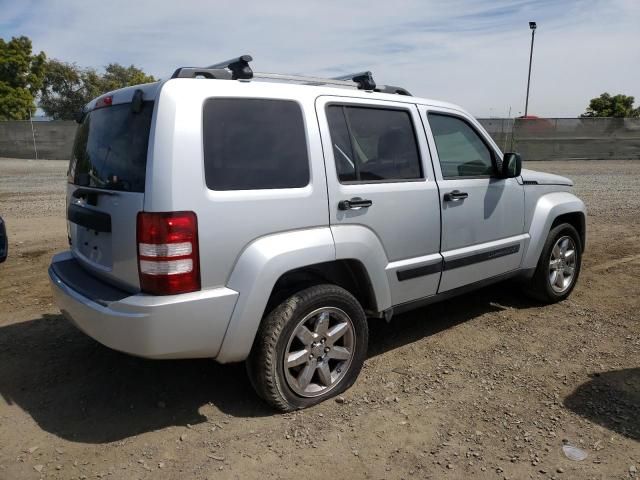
(136, 105)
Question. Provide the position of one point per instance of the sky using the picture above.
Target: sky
(474, 53)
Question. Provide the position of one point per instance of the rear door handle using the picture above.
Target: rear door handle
(354, 204)
(455, 196)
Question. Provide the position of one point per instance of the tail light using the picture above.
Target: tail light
(168, 259)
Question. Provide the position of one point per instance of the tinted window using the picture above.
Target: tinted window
(372, 144)
(254, 144)
(461, 151)
(110, 148)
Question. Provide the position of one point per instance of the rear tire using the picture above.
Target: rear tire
(559, 265)
(310, 348)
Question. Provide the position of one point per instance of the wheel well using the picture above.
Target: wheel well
(348, 274)
(577, 220)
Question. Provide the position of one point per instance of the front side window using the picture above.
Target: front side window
(254, 143)
(461, 151)
(373, 144)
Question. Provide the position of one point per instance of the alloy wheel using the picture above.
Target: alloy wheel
(562, 264)
(319, 352)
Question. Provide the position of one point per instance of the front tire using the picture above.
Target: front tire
(310, 348)
(559, 265)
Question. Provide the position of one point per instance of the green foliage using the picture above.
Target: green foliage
(21, 76)
(116, 76)
(612, 106)
(63, 90)
(67, 87)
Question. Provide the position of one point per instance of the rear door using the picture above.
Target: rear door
(106, 184)
(380, 178)
(482, 214)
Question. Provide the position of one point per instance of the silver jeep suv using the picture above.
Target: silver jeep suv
(244, 216)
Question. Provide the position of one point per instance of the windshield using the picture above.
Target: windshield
(110, 148)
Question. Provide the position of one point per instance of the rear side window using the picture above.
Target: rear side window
(254, 144)
(110, 148)
(373, 144)
(461, 151)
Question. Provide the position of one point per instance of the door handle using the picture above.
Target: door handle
(354, 204)
(455, 196)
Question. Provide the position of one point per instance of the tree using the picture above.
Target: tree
(67, 87)
(611, 106)
(21, 75)
(63, 92)
(116, 76)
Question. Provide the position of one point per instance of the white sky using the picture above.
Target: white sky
(470, 52)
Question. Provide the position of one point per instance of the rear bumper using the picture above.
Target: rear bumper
(190, 325)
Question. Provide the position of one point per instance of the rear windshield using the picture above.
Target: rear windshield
(110, 148)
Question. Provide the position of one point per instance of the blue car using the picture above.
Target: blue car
(4, 244)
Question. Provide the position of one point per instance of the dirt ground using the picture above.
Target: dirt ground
(488, 385)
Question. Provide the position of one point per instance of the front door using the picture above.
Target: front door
(482, 214)
(382, 189)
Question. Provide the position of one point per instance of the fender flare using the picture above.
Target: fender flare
(361, 243)
(548, 207)
(256, 271)
(266, 259)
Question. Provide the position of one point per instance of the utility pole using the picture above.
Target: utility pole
(33, 135)
(532, 26)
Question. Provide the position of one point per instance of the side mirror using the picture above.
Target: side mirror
(4, 243)
(511, 165)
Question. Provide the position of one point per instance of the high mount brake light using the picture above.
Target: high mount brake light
(168, 260)
(104, 102)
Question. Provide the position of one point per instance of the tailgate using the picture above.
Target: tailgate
(106, 189)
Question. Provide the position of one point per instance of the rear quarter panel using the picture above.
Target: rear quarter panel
(228, 221)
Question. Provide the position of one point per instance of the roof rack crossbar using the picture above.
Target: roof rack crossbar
(195, 72)
(364, 80)
(239, 67)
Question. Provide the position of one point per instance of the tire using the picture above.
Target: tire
(544, 286)
(335, 326)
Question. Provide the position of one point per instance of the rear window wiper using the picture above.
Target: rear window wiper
(136, 101)
(83, 191)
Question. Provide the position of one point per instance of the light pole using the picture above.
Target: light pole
(532, 26)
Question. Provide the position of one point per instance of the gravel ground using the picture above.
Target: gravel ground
(488, 385)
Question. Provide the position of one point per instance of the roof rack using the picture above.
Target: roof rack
(238, 69)
(305, 79)
(363, 79)
(392, 89)
(235, 69)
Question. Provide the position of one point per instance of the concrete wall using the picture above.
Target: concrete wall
(54, 140)
(535, 139)
(568, 138)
